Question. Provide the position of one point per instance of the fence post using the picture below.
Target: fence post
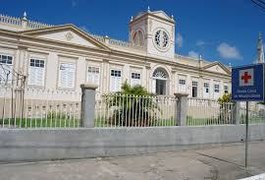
(236, 113)
(88, 102)
(181, 108)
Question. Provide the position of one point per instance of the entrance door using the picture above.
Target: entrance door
(194, 92)
(160, 87)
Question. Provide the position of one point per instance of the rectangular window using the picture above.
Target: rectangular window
(66, 75)
(136, 76)
(6, 68)
(216, 88)
(4, 59)
(194, 89)
(181, 85)
(225, 89)
(36, 72)
(135, 79)
(115, 80)
(206, 87)
(115, 73)
(206, 84)
(93, 75)
(182, 81)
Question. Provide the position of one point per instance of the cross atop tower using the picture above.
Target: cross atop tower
(260, 50)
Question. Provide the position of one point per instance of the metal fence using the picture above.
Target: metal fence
(255, 115)
(37, 108)
(203, 112)
(119, 110)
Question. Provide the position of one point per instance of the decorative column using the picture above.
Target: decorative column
(88, 103)
(105, 76)
(181, 108)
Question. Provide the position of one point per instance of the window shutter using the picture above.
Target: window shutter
(32, 76)
(118, 84)
(96, 78)
(93, 75)
(89, 77)
(183, 88)
(67, 75)
(112, 83)
(135, 82)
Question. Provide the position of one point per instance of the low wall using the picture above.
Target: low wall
(47, 144)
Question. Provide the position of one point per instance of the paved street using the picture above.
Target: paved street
(219, 162)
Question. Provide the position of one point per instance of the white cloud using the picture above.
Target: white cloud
(193, 54)
(228, 52)
(200, 43)
(179, 40)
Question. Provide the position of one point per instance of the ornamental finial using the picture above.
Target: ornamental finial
(25, 15)
(148, 9)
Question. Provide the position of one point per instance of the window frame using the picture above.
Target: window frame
(41, 64)
(93, 70)
(206, 86)
(8, 56)
(226, 89)
(59, 75)
(135, 75)
(182, 80)
(9, 65)
(217, 88)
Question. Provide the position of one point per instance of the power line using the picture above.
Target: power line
(259, 3)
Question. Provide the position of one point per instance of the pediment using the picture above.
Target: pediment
(66, 34)
(217, 67)
(161, 14)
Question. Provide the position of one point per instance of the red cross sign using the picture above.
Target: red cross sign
(246, 77)
(248, 83)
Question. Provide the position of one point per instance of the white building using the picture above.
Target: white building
(61, 57)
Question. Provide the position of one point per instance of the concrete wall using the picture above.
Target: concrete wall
(47, 144)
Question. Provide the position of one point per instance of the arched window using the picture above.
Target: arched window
(160, 73)
(160, 81)
(138, 38)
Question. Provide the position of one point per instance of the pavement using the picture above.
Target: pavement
(208, 163)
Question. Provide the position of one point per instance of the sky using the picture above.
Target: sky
(218, 30)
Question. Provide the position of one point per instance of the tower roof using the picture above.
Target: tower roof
(260, 50)
(158, 14)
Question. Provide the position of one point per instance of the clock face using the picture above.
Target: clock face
(161, 39)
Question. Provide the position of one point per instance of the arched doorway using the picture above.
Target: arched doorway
(160, 81)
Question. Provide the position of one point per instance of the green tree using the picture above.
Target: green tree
(132, 106)
(225, 98)
(226, 107)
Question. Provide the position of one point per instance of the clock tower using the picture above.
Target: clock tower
(155, 31)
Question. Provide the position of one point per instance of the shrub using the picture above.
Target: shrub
(133, 106)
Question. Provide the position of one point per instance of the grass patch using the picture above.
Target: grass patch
(102, 122)
(252, 120)
(39, 123)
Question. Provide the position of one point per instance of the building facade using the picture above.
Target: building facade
(61, 57)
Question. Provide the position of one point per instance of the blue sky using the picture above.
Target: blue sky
(224, 30)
